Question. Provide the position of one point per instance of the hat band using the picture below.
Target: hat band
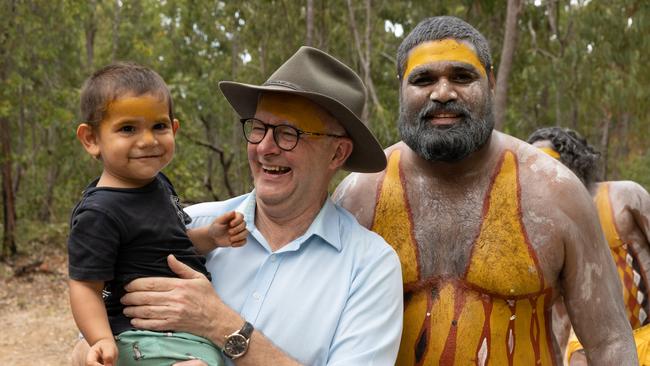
(286, 84)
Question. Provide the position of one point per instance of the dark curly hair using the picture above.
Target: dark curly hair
(575, 152)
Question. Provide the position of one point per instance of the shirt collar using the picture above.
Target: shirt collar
(325, 225)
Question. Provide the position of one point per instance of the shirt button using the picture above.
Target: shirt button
(273, 258)
(256, 296)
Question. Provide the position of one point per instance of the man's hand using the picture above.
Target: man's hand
(187, 304)
(228, 230)
(103, 352)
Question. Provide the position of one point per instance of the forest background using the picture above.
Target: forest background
(576, 63)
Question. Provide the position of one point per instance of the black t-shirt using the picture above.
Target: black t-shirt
(119, 234)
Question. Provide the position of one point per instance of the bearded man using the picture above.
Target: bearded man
(489, 230)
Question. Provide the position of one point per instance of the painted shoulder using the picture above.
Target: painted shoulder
(357, 193)
(627, 187)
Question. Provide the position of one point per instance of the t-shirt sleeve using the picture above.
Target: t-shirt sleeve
(93, 246)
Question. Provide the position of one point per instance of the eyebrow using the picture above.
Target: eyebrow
(454, 65)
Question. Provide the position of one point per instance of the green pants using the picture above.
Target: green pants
(146, 348)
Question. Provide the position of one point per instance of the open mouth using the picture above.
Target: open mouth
(275, 169)
(443, 119)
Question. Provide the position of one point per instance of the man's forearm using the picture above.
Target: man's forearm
(621, 351)
(262, 351)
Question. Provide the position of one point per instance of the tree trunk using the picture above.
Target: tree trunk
(604, 142)
(90, 29)
(309, 20)
(117, 19)
(365, 55)
(505, 65)
(9, 207)
(9, 202)
(237, 136)
(45, 213)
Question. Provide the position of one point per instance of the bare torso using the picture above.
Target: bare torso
(486, 246)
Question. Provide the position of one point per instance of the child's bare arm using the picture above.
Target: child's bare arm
(226, 230)
(90, 315)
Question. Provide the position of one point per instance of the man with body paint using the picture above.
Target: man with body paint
(310, 286)
(489, 230)
(624, 213)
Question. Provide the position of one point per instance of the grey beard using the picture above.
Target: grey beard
(446, 143)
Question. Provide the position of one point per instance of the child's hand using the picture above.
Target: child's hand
(228, 230)
(103, 352)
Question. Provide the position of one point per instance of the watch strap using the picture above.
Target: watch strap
(246, 330)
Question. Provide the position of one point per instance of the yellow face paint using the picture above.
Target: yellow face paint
(147, 106)
(298, 111)
(551, 152)
(443, 50)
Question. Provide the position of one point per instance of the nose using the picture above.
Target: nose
(268, 145)
(147, 139)
(443, 91)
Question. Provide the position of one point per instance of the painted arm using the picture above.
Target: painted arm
(640, 208)
(592, 290)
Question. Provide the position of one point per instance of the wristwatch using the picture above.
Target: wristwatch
(236, 344)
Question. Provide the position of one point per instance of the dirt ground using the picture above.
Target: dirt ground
(36, 324)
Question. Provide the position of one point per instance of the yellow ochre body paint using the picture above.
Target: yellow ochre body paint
(296, 110)
(442, 50)
(624, 259)
(498, 311)
(551, 152)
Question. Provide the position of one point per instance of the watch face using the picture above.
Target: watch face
(235, 346)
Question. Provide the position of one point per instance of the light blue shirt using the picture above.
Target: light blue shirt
(333, 296)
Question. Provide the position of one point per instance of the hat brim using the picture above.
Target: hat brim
(367, 155)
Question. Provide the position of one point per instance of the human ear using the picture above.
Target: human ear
(491, 79)
(175, 126)
(88, 139)
(343, 151)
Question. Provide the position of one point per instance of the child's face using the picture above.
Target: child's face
(135, 140)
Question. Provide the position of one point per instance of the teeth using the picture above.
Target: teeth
(275, 168)
(445, 115)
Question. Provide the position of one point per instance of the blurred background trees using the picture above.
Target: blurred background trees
(573, 63)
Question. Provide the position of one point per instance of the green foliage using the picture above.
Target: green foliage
(588, 71)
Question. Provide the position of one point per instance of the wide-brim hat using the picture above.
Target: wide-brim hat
(326, 81)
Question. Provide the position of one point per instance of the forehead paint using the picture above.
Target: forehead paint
(443, 50)
(144, 106)
(551, 152)
(294, 109)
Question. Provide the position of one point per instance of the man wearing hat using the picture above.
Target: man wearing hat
(311, 285)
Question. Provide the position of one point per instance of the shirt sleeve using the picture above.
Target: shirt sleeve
(93, 246)
(370, 327)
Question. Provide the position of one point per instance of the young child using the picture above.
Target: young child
(129, 219)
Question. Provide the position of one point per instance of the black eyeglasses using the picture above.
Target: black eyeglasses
(285, 136)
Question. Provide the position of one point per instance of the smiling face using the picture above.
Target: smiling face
(445, 101)
(301, 176)
(134, 140)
